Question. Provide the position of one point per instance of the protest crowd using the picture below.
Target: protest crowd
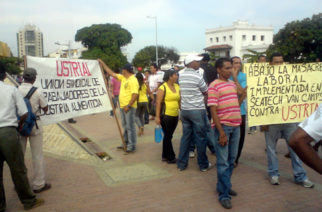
(210, 101)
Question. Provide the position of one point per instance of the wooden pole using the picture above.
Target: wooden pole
(114, 110)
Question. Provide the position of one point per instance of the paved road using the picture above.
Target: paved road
(141, 182)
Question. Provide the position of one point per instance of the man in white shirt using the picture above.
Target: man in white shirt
(309, 130)
(155, 80)
(38, 102)
(12, 104)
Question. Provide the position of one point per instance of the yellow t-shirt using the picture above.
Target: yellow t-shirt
(142, 94)
(129, 86)
(171, 99)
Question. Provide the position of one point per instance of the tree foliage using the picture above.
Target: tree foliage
(299, 41)
(104, 41)
(146, 56)
(252, 56)
(11, 64)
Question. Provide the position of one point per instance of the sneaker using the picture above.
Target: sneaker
(45, 188)
(181, 169)
(232, 192)
(72, 121)
(226, 203)
(206, 169)
(120, 148)
(306, 184)
(172, 161)
(274, 180)
(191, 154)
(129, 152)
(36, 204)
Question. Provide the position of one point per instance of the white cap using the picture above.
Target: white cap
(192, 57)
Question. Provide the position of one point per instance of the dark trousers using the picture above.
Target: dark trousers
(11, 152)
(139, 115)
(242, 137)
(169, 124)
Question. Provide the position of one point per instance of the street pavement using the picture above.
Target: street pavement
(142, 182)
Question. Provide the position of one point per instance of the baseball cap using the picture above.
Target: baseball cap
(128, 67)
(30, 73)
(192, 57)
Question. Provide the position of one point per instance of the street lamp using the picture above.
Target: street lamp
(62, 44)
(156, 37)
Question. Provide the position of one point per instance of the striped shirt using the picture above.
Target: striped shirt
(223, 94)
(192, 87)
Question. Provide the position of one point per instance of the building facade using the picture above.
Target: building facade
(5, 50)
(64, 52)
(30, 41)
(237, 39)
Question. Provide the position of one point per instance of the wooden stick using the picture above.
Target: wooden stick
(114, 110)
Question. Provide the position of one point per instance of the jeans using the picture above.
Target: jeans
(242, 137)
(226, 156)
(128, 125)
(194, 126)
(115, 101)
(140, 112)
(210, 140)
(11, 152)
(169, 124)
(271, 137)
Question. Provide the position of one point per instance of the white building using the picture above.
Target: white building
(30, 41)
(63, 52)
(236, 39)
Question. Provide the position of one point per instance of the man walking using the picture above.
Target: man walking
(11, 104)
(38, 102)
(128, 103)
(193, 114)
(272, 133)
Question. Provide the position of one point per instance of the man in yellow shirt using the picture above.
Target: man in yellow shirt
(128, 103)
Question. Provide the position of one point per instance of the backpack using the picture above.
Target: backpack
(30, 121)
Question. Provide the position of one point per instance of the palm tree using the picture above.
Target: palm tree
(253, 56)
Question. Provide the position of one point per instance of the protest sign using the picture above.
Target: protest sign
(72, 87)
(286, 93)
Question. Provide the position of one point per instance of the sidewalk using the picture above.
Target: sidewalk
(141, 182)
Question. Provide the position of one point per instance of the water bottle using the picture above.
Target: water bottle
(158, 134)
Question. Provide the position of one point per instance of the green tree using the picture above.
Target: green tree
(104, 41)
(146, 56)
(299, 41)
(11, 64)
(252, 56)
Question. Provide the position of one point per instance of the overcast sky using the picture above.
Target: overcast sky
(181, 23)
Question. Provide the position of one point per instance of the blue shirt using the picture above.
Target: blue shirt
(241, 77)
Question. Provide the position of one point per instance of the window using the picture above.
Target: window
(224, 38)
(31, 50)
(254, 37)
(244, 37)
(230, 37)
(217, 39)
(30, 36)
(210, 40)
(262, 37)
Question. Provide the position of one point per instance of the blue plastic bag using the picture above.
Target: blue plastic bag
(158, 134)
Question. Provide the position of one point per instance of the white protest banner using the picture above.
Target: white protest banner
(71, 87)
